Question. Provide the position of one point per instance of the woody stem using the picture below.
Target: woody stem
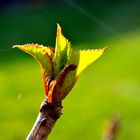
(48, 115)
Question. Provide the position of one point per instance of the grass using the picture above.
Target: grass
(110, 85)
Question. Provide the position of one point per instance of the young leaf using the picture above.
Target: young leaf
(62, 51)
(82, 59)
(44, 56)
(85, 58)
(60, 67)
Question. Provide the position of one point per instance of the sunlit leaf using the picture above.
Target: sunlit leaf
(82, 59)
(44, 56)
(62, 51)
(86, 57)
(61, 66)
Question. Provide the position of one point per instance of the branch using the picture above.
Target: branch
(48, 115)
(112, 128)
(51, 108)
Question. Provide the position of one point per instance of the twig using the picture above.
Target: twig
(51, 108)
(48, 115)
(112, 127)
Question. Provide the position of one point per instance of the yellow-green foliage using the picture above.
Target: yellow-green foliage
(53, 61)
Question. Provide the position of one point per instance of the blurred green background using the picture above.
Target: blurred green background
(110, 85)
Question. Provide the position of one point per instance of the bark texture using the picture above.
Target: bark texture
(48, 115)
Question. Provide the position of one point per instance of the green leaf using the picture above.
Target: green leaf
(58, 66)
(62, 51)
(86, 57)
(44, 56)
(82, 59)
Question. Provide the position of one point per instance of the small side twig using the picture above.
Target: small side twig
(112, 127)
